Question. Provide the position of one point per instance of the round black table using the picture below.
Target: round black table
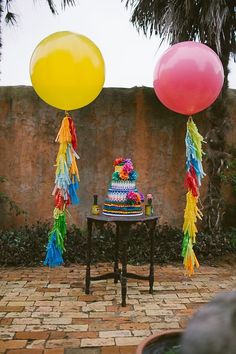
(123, 224)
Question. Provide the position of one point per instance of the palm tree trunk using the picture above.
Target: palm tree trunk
(216, 155)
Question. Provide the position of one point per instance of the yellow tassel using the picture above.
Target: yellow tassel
(56, 213)
(73, 168)
(64, 135)
(191, 214)
(196, 136)
(61, 158)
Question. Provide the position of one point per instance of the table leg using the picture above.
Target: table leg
(89, 237)
(123, 278)
(151, 271)
(116, 268)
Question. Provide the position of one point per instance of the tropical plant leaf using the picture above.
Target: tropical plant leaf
(52, 6)
(64, 3)
(211, 22)
(10, 18)
(68, 3)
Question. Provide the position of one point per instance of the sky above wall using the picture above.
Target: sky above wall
(130, 57)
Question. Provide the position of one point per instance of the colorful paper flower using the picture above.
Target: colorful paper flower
(138, 198)
(115, 176)
(149, 198)
(133, 198)
(128, 160)
(142, 197)
(118, 161)
(123, 175)
(128, 167)
(133, 175)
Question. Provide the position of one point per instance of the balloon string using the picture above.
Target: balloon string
(67, 113)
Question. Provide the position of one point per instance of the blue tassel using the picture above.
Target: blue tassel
(62, 180)
(190, 148)
(54, 255)
(73, 187)
(192, 158)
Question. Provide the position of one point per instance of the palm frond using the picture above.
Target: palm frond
(65, 3)
(211, 22)
(10, 18)
(52, 6)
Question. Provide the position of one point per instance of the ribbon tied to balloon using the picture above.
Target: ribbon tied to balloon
(187, 79)
(67, 71)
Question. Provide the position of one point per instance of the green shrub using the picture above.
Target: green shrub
(23, 246)
(26, 246)
(212, 247)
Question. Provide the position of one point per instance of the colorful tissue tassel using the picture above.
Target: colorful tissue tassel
(65, 190)
(194, 175)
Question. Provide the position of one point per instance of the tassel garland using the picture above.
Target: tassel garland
(194, 175)
(65, 190)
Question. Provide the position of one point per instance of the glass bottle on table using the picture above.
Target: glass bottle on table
(149, 206)
(95, 207)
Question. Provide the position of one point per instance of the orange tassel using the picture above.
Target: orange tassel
(190, 259)
(64, 134)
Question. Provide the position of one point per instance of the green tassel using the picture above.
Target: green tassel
(59, 228)
(62, 224)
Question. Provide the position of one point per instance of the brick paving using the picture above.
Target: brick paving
(44, 311)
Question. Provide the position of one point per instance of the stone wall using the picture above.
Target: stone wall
(120, 122)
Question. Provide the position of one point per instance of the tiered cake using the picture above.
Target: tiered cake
(123, 198)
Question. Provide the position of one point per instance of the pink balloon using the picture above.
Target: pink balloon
(188, 77)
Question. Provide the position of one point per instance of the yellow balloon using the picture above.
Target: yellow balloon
(67, 70)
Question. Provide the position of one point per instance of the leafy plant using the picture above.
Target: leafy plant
(26, 246)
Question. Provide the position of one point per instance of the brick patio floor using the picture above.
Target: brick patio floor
(45, 311)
